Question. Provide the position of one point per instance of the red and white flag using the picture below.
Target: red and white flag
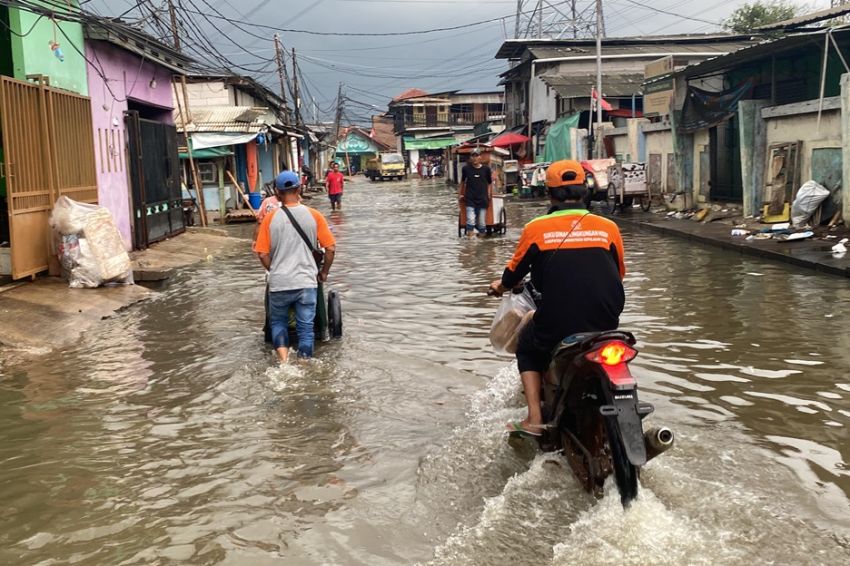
(606, 106)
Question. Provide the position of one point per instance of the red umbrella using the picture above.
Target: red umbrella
(508, 139)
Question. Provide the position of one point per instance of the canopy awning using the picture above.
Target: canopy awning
(204, 140)
(431, 143)
(208, 153)
(508, 139)
(579, 85)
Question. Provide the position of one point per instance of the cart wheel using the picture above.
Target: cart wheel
(645, 203)
(334, 315)
(606, 204)
(611, 199)
(503, 221)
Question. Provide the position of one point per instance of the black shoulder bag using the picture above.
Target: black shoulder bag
(318, 255)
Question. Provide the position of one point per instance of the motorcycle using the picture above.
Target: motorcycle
(592, 413)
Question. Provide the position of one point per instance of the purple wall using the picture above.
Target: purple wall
(127, 77)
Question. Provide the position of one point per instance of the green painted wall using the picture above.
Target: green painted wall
(31, 54)
(5, 43)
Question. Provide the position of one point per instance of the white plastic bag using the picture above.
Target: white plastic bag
(91, 250)
(808, 199)
(515, 310)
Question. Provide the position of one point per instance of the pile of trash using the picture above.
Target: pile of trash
(90, 247)
(808, 199)
(781, 232)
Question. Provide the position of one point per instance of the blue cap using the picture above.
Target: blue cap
(287, 180)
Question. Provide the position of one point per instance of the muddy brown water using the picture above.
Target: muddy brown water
(166, 435)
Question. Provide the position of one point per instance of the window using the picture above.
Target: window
(208, 172)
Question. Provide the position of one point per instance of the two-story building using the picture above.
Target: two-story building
(552, 78)
(426, 124)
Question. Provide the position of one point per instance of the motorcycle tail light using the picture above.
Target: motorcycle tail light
(612, 353)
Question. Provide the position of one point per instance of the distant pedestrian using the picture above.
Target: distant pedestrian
(476, 190)
(293, 271)
(335, 182)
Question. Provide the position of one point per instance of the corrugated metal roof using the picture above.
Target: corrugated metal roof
(607, 50)
(136, 41)
(578, 85)
(760, 50)
(225, 119)
(515, 48)
(810, 18)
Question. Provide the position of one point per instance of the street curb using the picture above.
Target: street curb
(744, 247)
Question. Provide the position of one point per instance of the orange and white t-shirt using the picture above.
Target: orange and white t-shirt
(292, 263)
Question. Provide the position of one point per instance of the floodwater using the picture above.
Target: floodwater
(167, 435)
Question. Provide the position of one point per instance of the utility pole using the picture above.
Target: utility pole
(281, 73)
(297, 94)
(186, 118)
(518, 16)
(338, 117)
(575, 18)
(540, 19)
(338, 113)
(597, 137)
(173, 15)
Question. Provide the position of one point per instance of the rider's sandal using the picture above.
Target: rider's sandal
(515, 427)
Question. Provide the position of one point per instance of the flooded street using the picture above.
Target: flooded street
(168, 434)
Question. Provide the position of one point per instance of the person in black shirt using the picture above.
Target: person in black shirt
(476, 190)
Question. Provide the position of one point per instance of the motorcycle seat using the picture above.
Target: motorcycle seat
(580, 340)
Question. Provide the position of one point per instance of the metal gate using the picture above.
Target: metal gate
(155, 180)
(49, 152)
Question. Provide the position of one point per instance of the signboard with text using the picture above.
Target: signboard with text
(658, 94)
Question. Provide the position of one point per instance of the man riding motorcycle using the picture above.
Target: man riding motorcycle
(576, 263)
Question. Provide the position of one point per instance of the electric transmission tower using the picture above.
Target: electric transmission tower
(555, 19)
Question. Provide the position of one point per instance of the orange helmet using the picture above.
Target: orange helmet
(564, 173)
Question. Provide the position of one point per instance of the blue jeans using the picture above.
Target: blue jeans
(478, 216)
(304, 302)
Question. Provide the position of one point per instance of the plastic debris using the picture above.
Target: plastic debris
(740, 232)
(796, 236)
(808, 199)
(839, 249)
(90, 248)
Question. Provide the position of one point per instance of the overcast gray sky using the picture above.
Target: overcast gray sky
(374, 69)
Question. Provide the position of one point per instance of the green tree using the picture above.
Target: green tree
(750, 16)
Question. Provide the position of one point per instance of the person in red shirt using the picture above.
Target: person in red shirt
(334, 182)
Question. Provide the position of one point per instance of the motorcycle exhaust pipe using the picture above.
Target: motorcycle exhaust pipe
(658, 440)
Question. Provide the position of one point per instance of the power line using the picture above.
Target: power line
(660, 11)
(365, 34)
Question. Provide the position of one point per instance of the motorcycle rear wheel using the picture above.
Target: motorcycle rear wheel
(625, 473)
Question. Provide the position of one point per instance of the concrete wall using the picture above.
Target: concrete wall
(217, 93)
(804, 128)
(128, 78)
(660, 142)
(32, 55)
(622, 145)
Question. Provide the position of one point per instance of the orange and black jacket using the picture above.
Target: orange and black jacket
(576, 263)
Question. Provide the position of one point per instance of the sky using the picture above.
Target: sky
(374, 69)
